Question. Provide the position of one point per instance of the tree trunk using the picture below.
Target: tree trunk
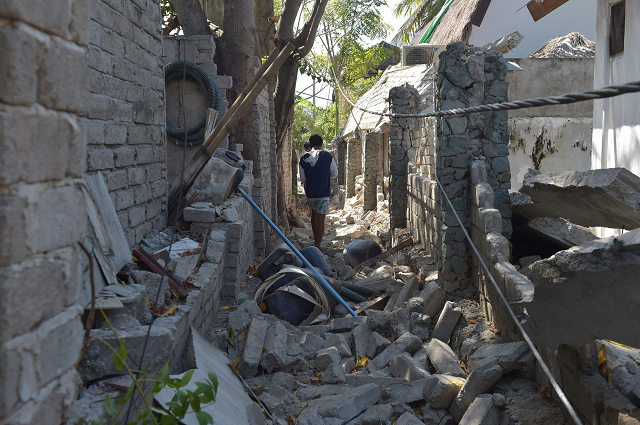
(265, 28)
(294, 168)
(196, 20)
(236, 56)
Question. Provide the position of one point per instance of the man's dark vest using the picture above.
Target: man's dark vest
(318, 177)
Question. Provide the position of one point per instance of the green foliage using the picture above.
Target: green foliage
(420, 13)
(308, 120)
(184, 401)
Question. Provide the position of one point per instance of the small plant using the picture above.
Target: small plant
(185, 401)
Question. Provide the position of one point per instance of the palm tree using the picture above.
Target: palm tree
(420, 13)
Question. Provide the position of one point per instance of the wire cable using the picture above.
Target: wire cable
(545, 368)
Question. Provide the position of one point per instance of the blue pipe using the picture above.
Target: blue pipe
(304, 260)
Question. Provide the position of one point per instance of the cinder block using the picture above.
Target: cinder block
(124, 199)
(18, 73)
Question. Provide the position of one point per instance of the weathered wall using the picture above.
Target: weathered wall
(44, 90)
(353, 164)
(126, 119)
(423, 212)
(550, 138)
(616, 130)
(372, 169)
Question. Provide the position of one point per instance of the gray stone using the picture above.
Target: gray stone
(447, 321)
(156, 240)
(408, 419)
(350, 404)
(361, 336)
(510, 356)
(561, 231)
(252, 352)
(334, 374)
(400, 322)
(434, 297)
(440, 390)
(239, 319)
(151, 283)
(376, 344)
(346, 324)
(420, 325)
(358, 379)
(340, 341)
(484, 376)
(407, 291)
(326, 356)
(624, 364)
(443, 358)
(285, 380)
(379, 321)
(379, 413)
(408, 392)
(421, 357)
(275, 344)
(606, 197)
(406, 367)
(407, 342)
(348, 365)
(481, 412)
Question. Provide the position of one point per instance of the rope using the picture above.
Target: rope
(351, 296)
(545, 368)
(362, 290)
(181, 69)
(565, 99)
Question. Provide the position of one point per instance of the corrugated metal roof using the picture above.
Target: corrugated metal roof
(421, 77)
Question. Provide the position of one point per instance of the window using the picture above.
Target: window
(616, 28)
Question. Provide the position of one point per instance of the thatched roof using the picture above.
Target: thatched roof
(455, 24)
(572, 45)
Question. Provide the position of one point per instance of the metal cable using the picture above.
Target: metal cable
(545, 368)
(565, 99)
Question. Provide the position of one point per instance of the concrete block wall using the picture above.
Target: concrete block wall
(423, 212)
(423, 144)
(126, 119)
(44, 92)
(353, 164)
(372, 169)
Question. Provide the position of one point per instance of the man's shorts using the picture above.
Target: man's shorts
(320, 206)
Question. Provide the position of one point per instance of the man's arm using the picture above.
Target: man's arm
(303, 178)
(333, 169)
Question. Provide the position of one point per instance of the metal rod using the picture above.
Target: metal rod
(304, 260)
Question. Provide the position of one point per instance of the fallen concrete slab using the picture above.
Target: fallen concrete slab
(481, 412)
(485, 375)
(592, 290)
(443, 358)
(607, 197)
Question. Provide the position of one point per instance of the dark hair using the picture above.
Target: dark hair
(306, 145)
(315, 141)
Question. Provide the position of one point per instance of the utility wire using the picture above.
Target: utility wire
(175, 224)
(545, 368)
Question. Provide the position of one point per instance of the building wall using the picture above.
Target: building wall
(550, 138)
(504, 17)
(616, 129)
(126, 119)
(44, 91)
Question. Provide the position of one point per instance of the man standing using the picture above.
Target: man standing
(317, 168)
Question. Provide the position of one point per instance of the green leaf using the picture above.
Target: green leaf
(168, 420)
(195, 404)
(164, 373)
(117, 362)
(207, 392)
(186, 378)
(214, 381)
(143, 414)
(159, 411)
(123, 352)
(204, 418)
(110, 407)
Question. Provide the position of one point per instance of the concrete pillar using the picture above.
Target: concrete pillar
(468, 76)
(353, 164)
(372, 169)
(341, 147)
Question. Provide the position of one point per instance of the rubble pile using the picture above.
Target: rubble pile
(411, 356)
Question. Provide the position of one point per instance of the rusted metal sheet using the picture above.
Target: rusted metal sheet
(541, 8)
(152, 265)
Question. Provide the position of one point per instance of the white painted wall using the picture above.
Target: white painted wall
(503, 17)
(616, 121)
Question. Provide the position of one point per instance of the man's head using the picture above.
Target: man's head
(307, 146)
(315, 141)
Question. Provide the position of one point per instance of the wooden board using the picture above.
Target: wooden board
(541, 8)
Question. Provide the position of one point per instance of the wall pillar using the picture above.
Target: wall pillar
(353, 164)
(341, 156)
(469, 76)
(372, 169)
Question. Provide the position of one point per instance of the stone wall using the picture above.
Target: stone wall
(372, 169)
(423, 143)
(423, 212)
(126, 119)
(44, 91)
(341, 158)
(353, 164)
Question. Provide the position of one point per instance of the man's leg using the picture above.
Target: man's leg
(318, 231)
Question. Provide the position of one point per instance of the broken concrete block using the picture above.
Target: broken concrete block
(340, 341)
(434, 297)
(406, 367)
(407, 342)
(510, 356)
(310, 343)
(346, 324)
(275, 344)
(350, 404)
(447, 321)
(440, 390)
(443, 358)
(379, 321)
(348, 365)
(379, 413)
(420, 325)
(421, 357)
(283, 404)
(361, 336)
(252, 353)
(358, 379)
(151, 282)
(408, 419)
(405, 393)
(481, 412)
(624, 364)
(400, 322)
(326, 356)
(561, 231)
(485, 375)
(381, 272)
(376, 344)
(333, 375)
(239, 319)
(285, 380)
(605, 197)
(183, 267)
(407, 291)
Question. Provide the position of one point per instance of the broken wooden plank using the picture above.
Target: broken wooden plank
(202, 156)
(372, 304)
(153, 266)
(541, 8)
